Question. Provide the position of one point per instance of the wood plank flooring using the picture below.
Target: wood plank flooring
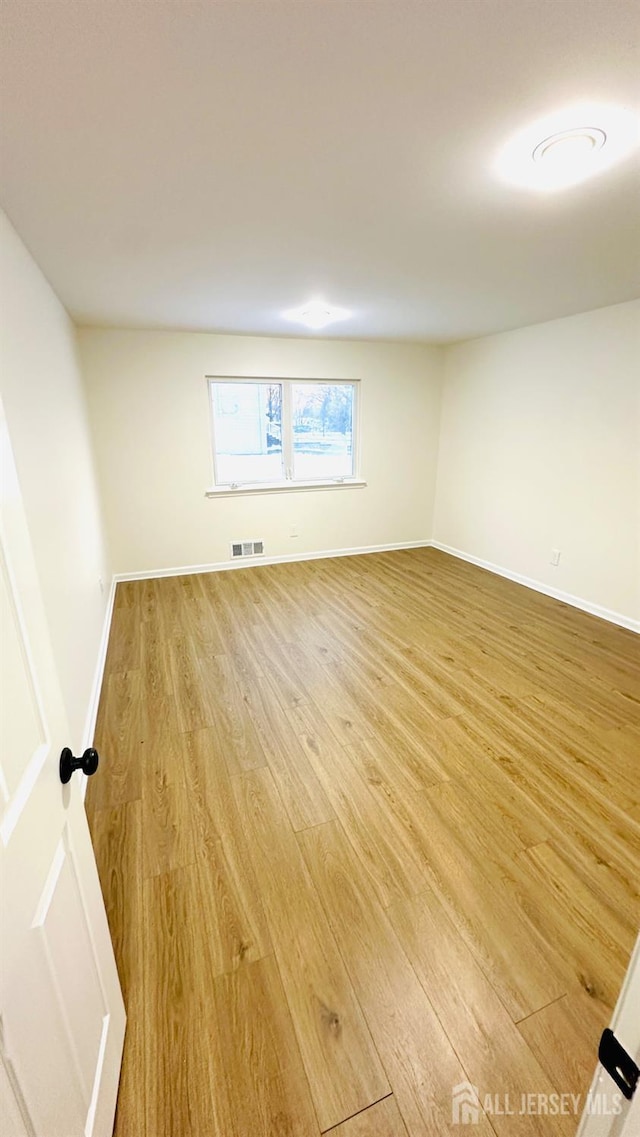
(366, 828)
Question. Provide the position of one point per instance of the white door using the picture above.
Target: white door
(607, 1112)
(61, 1011)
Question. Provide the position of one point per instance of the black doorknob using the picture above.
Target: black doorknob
(88, 763)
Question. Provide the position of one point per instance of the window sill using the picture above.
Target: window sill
(284, 487)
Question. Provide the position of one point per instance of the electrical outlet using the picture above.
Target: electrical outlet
(555, 556)
(293, 532)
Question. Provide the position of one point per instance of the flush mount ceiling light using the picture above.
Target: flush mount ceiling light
(316, 314)
(568, 147)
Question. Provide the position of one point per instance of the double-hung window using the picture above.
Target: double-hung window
(282, 433)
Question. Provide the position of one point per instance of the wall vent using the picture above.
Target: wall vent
(247, 549)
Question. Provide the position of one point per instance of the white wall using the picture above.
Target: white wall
(46, 413)
(148, 404)
(540, 449)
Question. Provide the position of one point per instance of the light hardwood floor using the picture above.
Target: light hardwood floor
(366, 828)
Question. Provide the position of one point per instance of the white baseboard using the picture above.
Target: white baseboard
(537, 586)
(96, 687)
(252, 562)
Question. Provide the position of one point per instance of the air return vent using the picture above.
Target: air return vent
(247, 549)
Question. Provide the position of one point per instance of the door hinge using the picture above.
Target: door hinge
(618, 1064)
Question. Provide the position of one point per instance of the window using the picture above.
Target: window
(279, 433)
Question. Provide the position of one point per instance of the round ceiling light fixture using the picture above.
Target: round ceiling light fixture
(553, 153)
(570, 145)
(316, 314)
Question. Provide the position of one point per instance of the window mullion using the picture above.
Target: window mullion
(287, 430)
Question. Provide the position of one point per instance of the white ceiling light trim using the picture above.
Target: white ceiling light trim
(317, 314)
(569, 146)
(583, 141)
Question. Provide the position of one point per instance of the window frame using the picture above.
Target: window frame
(288, 483)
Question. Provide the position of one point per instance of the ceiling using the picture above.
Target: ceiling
(206, 165)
